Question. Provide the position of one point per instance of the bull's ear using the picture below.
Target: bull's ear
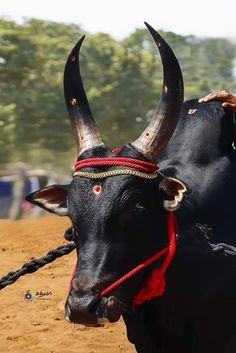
(51, 198)
(175, 191)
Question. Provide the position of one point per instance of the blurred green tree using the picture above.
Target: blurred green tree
(122, 79)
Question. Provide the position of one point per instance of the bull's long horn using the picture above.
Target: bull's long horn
(83, 125)
(165, 118)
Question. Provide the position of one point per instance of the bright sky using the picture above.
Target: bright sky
(121, 17)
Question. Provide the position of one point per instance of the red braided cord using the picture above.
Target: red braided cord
(172, 242)
(143, 166)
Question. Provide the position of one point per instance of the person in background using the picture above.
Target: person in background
(228, 99)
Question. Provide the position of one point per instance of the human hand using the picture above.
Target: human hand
(228, 99)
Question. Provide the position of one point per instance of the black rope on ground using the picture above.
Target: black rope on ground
(35, 264)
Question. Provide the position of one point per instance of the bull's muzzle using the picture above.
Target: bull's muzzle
(90, 309)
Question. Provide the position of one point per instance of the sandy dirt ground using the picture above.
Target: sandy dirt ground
(39, 326)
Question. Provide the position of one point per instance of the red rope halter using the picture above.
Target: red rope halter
(155, 284)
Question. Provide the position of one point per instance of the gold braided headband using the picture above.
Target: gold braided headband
(109, 173)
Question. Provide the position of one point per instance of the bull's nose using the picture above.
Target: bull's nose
(82, 310)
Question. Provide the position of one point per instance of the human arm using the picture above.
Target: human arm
(228, 99)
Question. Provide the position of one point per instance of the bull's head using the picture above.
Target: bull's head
(119, 220)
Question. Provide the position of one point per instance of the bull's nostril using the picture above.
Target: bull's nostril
(114, 310)
(95, 308)
(100, 308)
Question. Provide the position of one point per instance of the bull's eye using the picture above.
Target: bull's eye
(138, 209)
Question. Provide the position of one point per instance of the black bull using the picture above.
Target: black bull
(119, 221)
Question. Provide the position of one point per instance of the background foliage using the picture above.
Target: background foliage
(122, 79)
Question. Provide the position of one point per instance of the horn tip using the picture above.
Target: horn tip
(149, 27)
(156, 36)
(80, 41)
(75, 51)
